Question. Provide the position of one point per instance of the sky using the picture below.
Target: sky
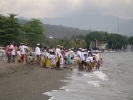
(64, 8)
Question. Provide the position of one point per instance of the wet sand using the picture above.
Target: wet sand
(28, 82)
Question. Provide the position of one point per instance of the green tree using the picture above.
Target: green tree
(116, 41)
(131, 40)
(9, 29)
(32, 32)
(94, 35)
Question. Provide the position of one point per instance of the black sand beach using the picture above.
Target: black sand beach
(28, 82)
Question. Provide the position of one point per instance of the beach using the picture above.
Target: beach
(114, 81)
(28, 82)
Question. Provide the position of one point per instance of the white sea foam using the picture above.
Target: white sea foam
(47, 93)
(62, 88)
(95, 83)
(101, 75)
(55, 90)
(64, 81)
(87, 75)
(51, 98)
(67, 90)
(50, 94)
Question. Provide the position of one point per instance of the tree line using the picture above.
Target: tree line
(33, 32)
(11, 31)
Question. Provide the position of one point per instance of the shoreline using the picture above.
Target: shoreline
(28, 82)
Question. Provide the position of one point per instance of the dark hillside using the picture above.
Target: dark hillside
(59, 31)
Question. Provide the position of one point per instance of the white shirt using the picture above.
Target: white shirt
(66, 54)
(89, 59)
(13, 50)
(79, 54)
(61, 59)
(71, 53)
(57, 51)
(48, 55)
(82, 56)
(22, 49)
(18, 53)
(97, 57)
(51, 50)
(37, 51)
(52, 59)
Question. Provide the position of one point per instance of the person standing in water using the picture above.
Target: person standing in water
(97, 60)
(101, 62)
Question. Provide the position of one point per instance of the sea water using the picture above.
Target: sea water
(113, 81)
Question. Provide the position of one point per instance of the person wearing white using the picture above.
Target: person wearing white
(61, 61)
(37, 53)
(97, 58)
(82, 59)
(22, 51)
(89, 62)
(71, 53)
(51, 49)
(13, 53)
(79, 53)
(18, 53)
(57, 51)
(65, 58)
(89, 59)
(43, 54)
(52, 60)
(79, 58)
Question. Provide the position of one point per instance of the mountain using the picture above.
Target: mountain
(108, 23)
(59, 31)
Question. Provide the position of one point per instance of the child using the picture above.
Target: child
(58, 62)
(30, 59)
(48, 59)
(19, 56)
(52, 60)
(69, 62)
(101, 62)
(72, 63)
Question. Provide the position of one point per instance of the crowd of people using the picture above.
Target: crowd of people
(53, 57)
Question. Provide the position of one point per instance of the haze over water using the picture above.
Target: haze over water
(114, 81)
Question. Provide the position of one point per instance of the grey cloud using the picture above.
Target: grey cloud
(62, 8)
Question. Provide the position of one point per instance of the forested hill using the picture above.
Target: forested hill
(59, 31)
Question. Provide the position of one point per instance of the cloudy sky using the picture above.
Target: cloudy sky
(63, 8)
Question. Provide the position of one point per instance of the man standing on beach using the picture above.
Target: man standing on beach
(57, 50)
(8, 52)
(22, 51)
(37, 54)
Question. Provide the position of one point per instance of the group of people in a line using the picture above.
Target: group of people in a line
(88, 59)
(53, 57)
